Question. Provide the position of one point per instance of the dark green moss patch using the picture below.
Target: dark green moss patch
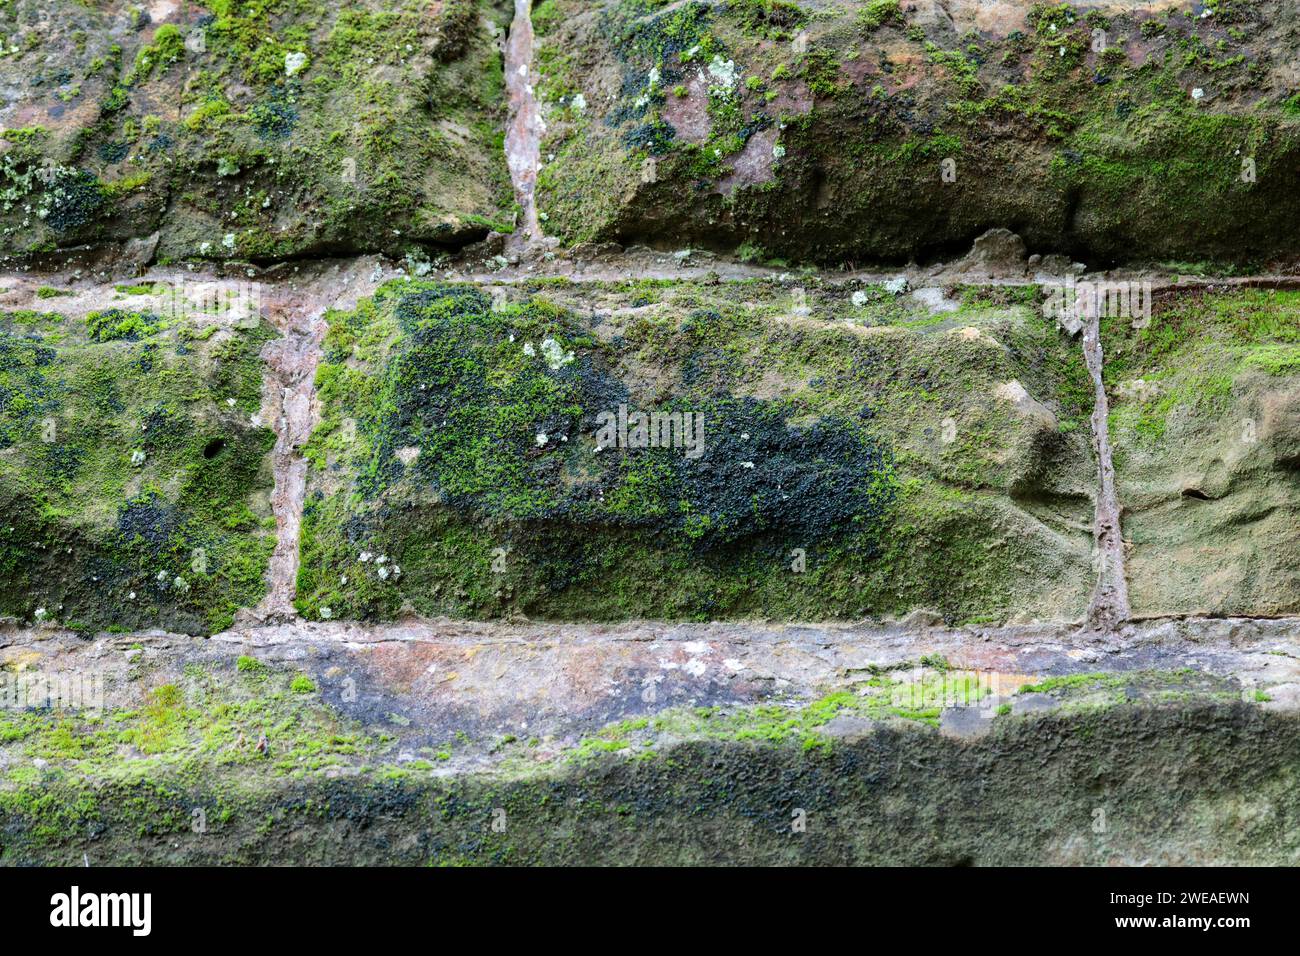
(1175, 783)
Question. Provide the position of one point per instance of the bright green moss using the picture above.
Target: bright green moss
(877, 13)
(114, 324)
(168, 47)
(302, 684)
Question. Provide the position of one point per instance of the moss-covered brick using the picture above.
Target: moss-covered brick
(858, 455)
(254, 129)
(1205, 421)
(134, 475)
(819, 132)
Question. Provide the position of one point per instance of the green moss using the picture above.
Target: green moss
(168, 47)
(1193, 352)
(1073, 682)
(877, 13)
(682, 775)
(250, 665)
(302, 684)
(131, 471)
(348, 135)
(1111, 142)
(114, 324)
(770, 19)
(444, 414)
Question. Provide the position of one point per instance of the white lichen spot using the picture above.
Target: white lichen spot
(541, 438)
(555, 355)
(529, 350)
(695, 667)
(137, 458)
(579, 102)
(778, 151)
(229, 241)
(326, 613)
(1198, 93)
(695, 647)
(294, 63)
(724, 72)
(859, 298)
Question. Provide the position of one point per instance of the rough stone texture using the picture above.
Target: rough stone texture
(859, 455)
(1203, 430)
(968, 408)
(134, 469)
(850, 132)
(714, 670)
(396, 745)
(251, 129)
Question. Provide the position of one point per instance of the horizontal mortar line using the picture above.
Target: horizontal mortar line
(1211, 616)
(602, 271)
(883, 638)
